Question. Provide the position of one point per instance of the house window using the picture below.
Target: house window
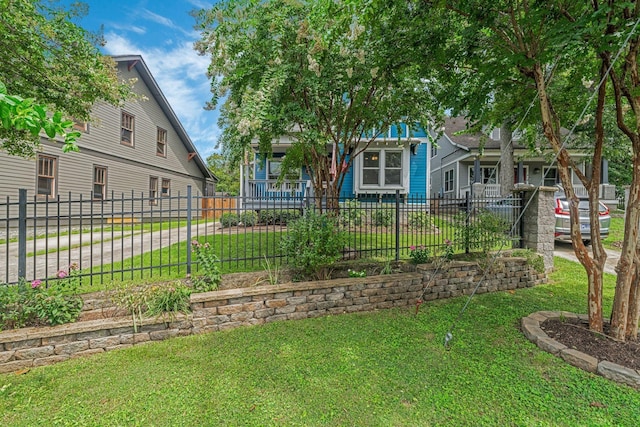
(99, 183)
(166, 187)
(127, 125)
(495, 134)
(274, 170)
(448, 181)
(393, 168)
(434, 150)
(487, 175)
(371, 168)
(47, 171)
(161, 143)
(153, 190)
(550, 175)
(81, 126)
(382, 168)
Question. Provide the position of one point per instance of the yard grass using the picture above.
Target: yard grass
(366, 369)
(616, 233)
(243, 252)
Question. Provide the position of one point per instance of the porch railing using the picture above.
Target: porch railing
(493, 190)
(269, 189)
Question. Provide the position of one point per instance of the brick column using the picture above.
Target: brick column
(538, 221)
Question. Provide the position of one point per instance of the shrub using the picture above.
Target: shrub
(447, 252)
(419, 220)
(420, 254)
(32, 304)
(132, 299)
(249, 218)
(382, 217)
(278, 216)
(313, 243)
(208, 265)
(356, 273)
(351, 214)
(228, 220)
(168, 298)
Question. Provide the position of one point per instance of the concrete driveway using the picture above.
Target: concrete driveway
(565, 250)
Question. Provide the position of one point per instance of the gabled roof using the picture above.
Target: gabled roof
(136, 61)
(471, 141)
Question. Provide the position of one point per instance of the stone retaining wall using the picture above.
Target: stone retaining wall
(219, 310)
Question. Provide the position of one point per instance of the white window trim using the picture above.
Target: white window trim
(496, 175)
(380, 187)
(453, 181)
(278, 160)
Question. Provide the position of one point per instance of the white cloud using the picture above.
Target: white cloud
(181, 75)
(134, 28)
(201, 4)
(159, 19)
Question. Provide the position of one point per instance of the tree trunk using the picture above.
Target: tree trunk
(506, 160)
(625, 268)
(593, 269)
(634, 303)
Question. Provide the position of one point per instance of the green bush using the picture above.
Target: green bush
(420, 254)
(313, 243)
(168, 298)
(382, 217)
(33, 304)
(419, 220)
(228, 220)
(208, 264)
(351, 214)
(249, 218)
(278, 216)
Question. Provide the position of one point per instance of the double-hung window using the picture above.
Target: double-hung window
(448, 181)
(153, 190)
(550, 176)
(47, 172)
(126, 129)
(166, 187)
(161, 143)
(99, 183)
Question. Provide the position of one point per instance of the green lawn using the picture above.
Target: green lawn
(616, 233)
(386, 368)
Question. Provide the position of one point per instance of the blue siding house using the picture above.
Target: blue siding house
(397, 159)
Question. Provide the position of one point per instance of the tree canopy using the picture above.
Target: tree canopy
(324, 73)
(48, 60)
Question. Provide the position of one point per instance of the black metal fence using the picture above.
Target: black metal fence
(137, 236)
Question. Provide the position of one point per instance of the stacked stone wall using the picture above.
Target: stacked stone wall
(220, 310)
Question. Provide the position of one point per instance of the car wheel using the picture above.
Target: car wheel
(586, 242)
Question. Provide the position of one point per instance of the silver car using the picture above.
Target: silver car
(563, 224)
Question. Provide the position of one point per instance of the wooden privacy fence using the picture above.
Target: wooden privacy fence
(214, 207)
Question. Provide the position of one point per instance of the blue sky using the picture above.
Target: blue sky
(162, 32)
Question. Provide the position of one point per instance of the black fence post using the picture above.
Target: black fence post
(397, 225)
(467, 222)
(188, 230)
(22, 233)
(520, 221)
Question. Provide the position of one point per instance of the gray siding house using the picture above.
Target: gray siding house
(459, 166)
(140, 148)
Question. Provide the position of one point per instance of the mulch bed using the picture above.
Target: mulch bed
(575, 333)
